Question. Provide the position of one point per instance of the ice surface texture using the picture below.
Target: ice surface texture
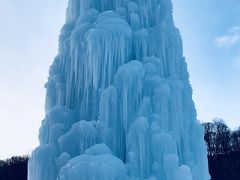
(119, 103)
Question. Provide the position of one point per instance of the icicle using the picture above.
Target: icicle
(118, 103)
(81, 136)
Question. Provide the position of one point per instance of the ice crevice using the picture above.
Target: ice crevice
(119, 102)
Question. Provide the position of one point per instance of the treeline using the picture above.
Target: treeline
(14, 168)
(223, 150)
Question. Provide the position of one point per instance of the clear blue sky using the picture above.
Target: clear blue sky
(29, 31)
(210, 31)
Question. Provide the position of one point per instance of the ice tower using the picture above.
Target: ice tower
(119, 104)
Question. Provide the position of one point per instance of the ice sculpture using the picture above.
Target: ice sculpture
(119, 103)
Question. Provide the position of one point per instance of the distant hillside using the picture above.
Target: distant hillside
(14, 168)
(223, 150)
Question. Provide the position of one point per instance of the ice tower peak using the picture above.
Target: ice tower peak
(119, 104)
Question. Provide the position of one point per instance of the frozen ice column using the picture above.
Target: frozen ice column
(119, 102)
